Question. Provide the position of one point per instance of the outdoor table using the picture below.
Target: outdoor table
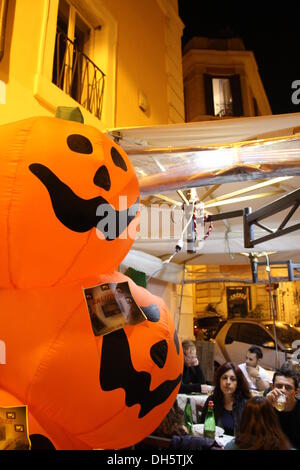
(197, 403)
(223, 440)
(256, 393)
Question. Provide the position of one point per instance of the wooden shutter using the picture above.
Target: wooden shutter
(237, 101)
(3, 17)
(209, 99)
(256, 112)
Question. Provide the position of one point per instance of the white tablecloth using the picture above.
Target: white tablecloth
(223, 440)
(200, 401)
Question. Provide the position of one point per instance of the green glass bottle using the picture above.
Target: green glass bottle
(210, 423)
(188, 416)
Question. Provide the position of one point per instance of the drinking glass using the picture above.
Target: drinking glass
(280, 403)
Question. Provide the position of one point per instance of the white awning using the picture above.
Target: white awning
(181, 156)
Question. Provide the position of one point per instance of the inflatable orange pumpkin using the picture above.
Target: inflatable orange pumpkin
(63, 228)
(56, 176)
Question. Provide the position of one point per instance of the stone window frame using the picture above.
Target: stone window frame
(46, 92)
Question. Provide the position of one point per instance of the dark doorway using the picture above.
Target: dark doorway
(238, 301)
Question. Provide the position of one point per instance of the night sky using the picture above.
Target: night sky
(275, 41)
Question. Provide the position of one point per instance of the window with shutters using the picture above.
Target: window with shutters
(223, 95)
(77, 53)
(73, 70)
(3, 16)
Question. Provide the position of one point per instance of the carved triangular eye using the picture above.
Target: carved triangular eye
(118, 159)
(102, 178)
(79, 143)
(159, 352)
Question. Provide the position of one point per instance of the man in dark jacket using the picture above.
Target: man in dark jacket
(192, 377)
(285, 383)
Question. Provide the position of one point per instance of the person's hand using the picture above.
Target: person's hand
(253, 372)
(195, 361)
(191, 361)
(273, 395)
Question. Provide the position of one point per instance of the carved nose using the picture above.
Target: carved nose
(102, 178)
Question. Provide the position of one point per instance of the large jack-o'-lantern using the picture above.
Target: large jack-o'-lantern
(60, 187)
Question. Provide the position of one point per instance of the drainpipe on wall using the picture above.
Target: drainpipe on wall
(268, 269)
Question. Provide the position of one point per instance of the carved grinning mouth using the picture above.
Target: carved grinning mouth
(117, 371)
(78, 214)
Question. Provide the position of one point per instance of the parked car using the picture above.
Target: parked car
(206, 327)
(234, 338)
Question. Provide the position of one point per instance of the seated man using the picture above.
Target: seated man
(285, 382)
(257, 377)
(192, 376)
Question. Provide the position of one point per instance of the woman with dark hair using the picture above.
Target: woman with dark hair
(230, 395)
(259, 428)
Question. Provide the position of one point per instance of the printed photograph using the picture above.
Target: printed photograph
(112, 307)
(14, 436)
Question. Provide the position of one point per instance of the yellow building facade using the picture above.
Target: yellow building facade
(119, 61)
(241, 298)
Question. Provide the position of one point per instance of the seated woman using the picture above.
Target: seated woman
(230, 395)
(259, 428)
(192, 376)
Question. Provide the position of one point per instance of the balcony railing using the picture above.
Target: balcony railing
(77, 75)
(224, 109)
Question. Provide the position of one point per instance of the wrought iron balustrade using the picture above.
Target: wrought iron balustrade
(225, 109)
(77, 75)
